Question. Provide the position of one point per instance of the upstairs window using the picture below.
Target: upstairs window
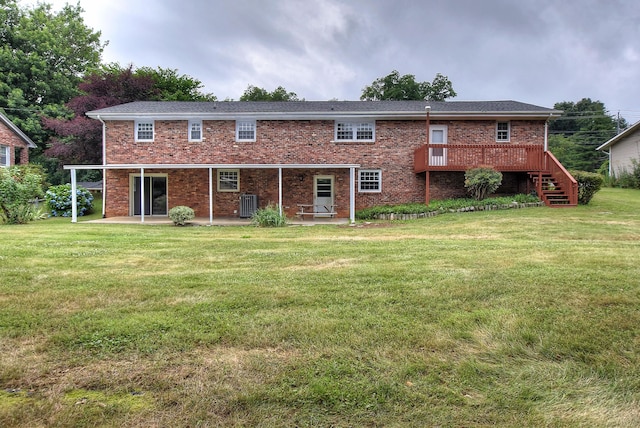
(195, 130)
(4, 156)
(503, 132)
(246, 130)
(355, 131)
(144, 130)
(370, 181)
(228, 180)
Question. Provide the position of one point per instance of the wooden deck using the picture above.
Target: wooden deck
(554, 185)
(461, 157)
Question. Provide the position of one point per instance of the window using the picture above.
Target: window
(228, 180)
(4, 156)
(503, 131)
(144, 130)
(355, 131)
(195, 130)
(246, 130)
(370, 181)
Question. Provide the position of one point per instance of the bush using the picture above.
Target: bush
(59, 200)
(482, 181)
(181, 214)
(20, 186)
(588, 184)
(269, 217)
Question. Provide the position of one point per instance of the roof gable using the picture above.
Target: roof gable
(627, 132)
(4, 119)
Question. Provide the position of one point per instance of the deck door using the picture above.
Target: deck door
(155, 195)
(437, 155)
(323, 194)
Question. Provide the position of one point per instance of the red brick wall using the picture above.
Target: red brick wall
(10, 139)
(290, 142)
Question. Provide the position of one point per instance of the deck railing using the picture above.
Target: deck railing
(460, 157)
(563, 178)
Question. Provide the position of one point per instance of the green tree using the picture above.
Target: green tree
(170, 86)
(583, 126)
(253, 93)
(43, 56)
(397, 87)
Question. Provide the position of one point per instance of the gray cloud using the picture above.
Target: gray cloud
(537, 51)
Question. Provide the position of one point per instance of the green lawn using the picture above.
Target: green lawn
(506, 318)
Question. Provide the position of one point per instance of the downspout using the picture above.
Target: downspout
(104, 163)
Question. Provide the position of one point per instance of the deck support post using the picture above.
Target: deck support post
(427, 194)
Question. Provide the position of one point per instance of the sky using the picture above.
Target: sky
(534, 51)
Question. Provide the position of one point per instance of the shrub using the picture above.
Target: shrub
(482, 181)
(269, 217)
(180, 214)
(19, 187)
(588, 184)
(59, 200)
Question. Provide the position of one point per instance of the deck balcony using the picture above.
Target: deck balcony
(553, 183)
(461, 157)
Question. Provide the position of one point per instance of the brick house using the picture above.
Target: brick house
(323, 158)
(14, 144)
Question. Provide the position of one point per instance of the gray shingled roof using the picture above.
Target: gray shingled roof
(375, 108)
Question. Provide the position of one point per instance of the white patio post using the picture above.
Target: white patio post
(142, 195)
(352, 195)
(210, 196)
(280, 189)
(74, 197)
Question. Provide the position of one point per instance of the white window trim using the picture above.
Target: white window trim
(255, 130)
(508, 139)
(7, 154)
(354, 126)
(378, 190)
(153, 130)
(190, 129)
(237, 171)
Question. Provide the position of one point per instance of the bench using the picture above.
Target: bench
(315, 210)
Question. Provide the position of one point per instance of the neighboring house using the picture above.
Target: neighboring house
(225, 159)
(14, 144)
(623, 149)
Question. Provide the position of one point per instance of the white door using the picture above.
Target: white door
(437, 155)
(323, 195)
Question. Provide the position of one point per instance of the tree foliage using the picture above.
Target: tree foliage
(397, 87)
(168, 85)
(583, 126)
(253, 93)
(43, 56)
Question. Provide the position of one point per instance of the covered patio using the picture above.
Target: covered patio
(142, 168)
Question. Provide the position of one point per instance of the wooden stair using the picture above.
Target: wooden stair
(555, 186)
(551, 191)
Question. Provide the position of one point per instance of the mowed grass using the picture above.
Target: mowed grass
(504, 318)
